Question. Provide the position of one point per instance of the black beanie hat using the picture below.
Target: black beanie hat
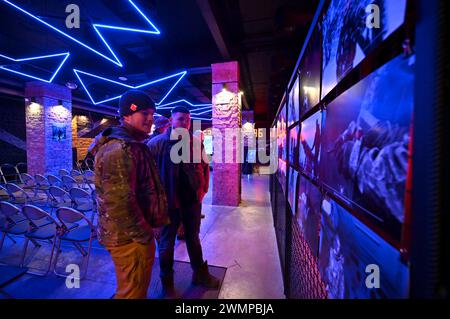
(135, 101)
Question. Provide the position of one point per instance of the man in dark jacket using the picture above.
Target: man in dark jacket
(185, 183)
(129, 195)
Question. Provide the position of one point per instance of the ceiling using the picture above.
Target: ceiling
(264, 36)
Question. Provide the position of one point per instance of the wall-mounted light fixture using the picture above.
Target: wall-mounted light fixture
(34, 108)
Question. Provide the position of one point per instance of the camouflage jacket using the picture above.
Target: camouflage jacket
(129, 192)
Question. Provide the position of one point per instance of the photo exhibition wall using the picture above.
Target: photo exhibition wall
(344, 132)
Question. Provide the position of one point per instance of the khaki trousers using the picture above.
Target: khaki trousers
(133, 264)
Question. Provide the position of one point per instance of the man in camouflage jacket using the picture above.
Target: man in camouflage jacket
(130, 196)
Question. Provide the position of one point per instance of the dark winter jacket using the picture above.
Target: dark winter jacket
(129, 192)
(184, 183)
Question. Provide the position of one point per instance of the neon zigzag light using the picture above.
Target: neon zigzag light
(200, 118)
(97, 28)
(192, 117)
(201, 113)
(197, 107)
(166, 106)
(77, 72)
(66, 54)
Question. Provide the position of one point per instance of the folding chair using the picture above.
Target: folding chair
(28, 182)
(89, 163)
(42, 184)
(3, 193)
(54, 180)
(76, 236)
(68, 182)
(78, 176)
(9, 173)
(42, 226)
(20, 169)
(16, 223)
(89, 179)
(18, 196)
(83, 202)
(9, 217)
(63, 172)
(59, 198)
(79, 165)
(2, 178)
(74, 173)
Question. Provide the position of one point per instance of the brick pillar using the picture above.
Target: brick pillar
(226, 114)
(48, 113)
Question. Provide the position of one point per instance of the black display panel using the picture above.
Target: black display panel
(348, 253)
(309, 213)
(310, 144)
(292, 188)
(293, 104)
(365, 142)
(348, 38)
(310, 68)
(281, 134)
(293, 145)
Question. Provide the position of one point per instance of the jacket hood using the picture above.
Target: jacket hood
(124, 132)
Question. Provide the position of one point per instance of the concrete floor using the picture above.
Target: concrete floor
(242, 239)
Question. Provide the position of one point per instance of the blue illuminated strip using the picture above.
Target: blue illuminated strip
(199, 118)
(200, 113)
(144, 16)
(166, 106)
(96, 28)
(36, 58)
(77, 72)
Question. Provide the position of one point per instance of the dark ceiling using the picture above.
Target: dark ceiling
(264, 36)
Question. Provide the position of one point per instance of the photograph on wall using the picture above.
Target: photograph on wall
(282, 173)
(59, 132)
(293, 104)
(349, 252)
(350, 32)
(308, 213)
(281, 133)
(310, 73)
(310, 136)
(365, 140)
(292, 188)
(293, 145)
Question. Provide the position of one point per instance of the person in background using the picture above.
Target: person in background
(129, 195)
(186, 184)
(162, 123)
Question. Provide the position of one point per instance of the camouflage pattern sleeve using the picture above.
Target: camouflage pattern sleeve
(119, 210)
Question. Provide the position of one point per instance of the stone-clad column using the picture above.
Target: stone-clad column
(48, 113)
(226, 114)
